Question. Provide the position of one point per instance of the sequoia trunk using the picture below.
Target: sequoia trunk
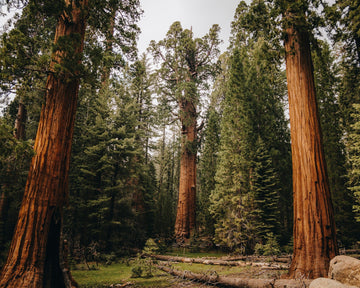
(185, 217)
(314, 226)
(34, 258)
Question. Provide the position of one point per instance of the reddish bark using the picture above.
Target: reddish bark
(185, 218)
(34, 256)
(314, 226)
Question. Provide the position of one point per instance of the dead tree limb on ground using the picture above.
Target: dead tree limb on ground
(236, 282)
(265, 265)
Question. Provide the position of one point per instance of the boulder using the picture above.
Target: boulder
(328, 283)
(345, 269)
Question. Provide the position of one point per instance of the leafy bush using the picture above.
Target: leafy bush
(145, 264)
(150, 247)
(136, 272)
(288, 248)
(108, 259)
(271, 247)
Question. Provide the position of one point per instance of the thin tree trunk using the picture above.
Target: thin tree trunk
(34, 257)
(185, 218)
(108, 50)
(19, 132)
(314, 226)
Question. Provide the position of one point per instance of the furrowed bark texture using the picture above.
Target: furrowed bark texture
(185, 217)
(314, 226)
(33, 259)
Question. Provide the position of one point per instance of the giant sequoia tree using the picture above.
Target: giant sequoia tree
(24, 60)
(186, 64)
(314, 227)
(34, 258)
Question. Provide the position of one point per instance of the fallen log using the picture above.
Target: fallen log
(350, 251)
(282, 259)
(236, 282)
(265, 265)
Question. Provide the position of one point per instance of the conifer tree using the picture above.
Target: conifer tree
(254, 27)
(24, 61)
(40, 263)
(314, 228)
(168, 185)
(167, 163)
(252, 109)
(327, 86)
(354, 148)
(207, 169)
(210, 144)
(232, 204)
(14, 163)
(48, 177)
(186, 64)
(264, 184)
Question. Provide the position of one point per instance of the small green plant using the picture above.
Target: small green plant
(143, 263)
(288, 248)
(271, 247)
(136, 272)
(150, 247)
(108, 259)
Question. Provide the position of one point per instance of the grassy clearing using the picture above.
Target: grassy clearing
(117, 274)
(207, 269)
(240, 272)
(121, 273)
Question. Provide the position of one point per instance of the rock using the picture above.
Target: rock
(328, 283)
(345, 269)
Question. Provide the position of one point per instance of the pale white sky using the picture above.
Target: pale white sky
(198, 14)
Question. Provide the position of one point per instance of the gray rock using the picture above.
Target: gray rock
(328, 283)
(345, 269)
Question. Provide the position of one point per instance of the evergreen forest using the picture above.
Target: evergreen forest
(186, 146)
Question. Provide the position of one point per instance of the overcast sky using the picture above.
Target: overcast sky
(198, 14)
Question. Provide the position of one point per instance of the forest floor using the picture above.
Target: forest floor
(120, 274)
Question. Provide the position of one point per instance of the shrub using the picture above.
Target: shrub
(271, 247)
(145, 264)
(136, 272)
